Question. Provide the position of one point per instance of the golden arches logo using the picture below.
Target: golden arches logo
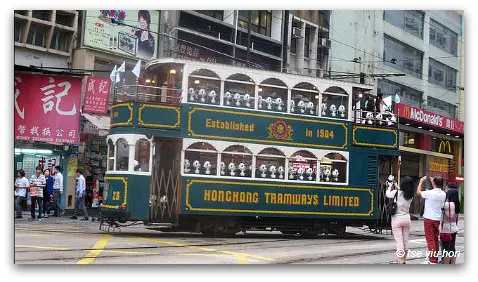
(443, 147)
(406, 111)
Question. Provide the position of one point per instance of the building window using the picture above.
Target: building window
(261, 20)
(441, 74)
(294, 36)
(17, 31)
(217, 14)
(443, 38)
(407, 95)
(64, 19)
(403, 57)
(22, 12)
(307, 42)
(36, 36)
(410, 21)
(409, 139)
(60, 41)
(441, 107)
(141, 156)
(42, 15)
(122, 155)
(200, 158)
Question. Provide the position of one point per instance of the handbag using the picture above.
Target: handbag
(445, 236)
(391, 206)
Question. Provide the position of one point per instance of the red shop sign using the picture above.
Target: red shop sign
(47, 108)
(429, 118)
(97, 93)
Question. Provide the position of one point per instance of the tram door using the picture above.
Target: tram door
(165, 180)
(387, 165)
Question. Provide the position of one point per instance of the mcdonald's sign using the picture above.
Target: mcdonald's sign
(445, 147)
(429, 118)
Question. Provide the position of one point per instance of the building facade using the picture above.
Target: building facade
(426, 46)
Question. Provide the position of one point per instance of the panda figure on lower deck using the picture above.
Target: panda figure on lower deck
(223, 168)
(272, 170)
(292, 106)
(263, 169)
(187, 164)
(242, 168)
(335, 175)
(202, 95)
(228, 97)
(232, 169)
(197, 165)
(333, 110)
(309, 173)
(300, 173)
(212, 96)
(280, 170)
(207, 167)
(292, 171)
(192, 94)
(327, 174)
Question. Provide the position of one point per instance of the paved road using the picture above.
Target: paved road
(66, 241)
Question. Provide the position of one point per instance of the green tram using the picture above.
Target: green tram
(220, 149)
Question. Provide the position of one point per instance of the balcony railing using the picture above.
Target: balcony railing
(377, 119)
(147, 94)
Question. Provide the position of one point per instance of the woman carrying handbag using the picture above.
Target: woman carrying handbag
(402, 196)
(449, 226)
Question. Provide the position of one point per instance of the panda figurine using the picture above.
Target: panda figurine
(292, 106)
(263, 169)
(212, 96)
(342, 111)
(301, 106)
(259, 102)
(310, 107)
(379, 119)
(197, 165)
(309, 172)
(369, 118)
(269, 103)
(280, 170)
(228, 97)
(272, 170)
(207, 167)
(223, 168)
(292, 171)
(335, 175)
(327, 174)
(324, 109)
(242, 168)
(300, 173)
(333, 110)
(192, 94)
(279, 104)
(232, 169)
(187, 164)
(237, 98)
(202, 95)
(247, 99)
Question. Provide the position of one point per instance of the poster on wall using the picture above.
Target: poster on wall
(47, 108)
(129, 36)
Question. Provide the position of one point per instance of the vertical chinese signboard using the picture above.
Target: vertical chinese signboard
(128, 38)
(96, 97)
(47, 108)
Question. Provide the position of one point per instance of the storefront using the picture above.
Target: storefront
(430, 144)
(47, 111)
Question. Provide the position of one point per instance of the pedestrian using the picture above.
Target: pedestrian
(37, 184)
(401, 218)
(80, 195)
(57, 189)
(21, 186)
(47, 192)
(449, 225)
(434, 200)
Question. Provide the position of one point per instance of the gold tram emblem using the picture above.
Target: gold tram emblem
(280, 130)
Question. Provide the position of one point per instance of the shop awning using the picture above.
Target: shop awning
(101, 122)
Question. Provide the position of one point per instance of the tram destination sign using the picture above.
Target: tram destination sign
(217, 196)
(268, 128)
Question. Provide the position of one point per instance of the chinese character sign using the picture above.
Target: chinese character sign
(97, 93)
(47, 108)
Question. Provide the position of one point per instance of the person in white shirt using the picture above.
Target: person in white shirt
(37, 183)
(80, 195)
(21, 186)
(57, 189)
(434, 200)
(401, 219)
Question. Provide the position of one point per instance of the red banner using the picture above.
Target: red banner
(47, 108)
(97, 93)
(429, 118)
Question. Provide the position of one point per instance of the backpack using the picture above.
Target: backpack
(391, 206)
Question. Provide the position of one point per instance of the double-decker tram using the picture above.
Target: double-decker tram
(219, 149)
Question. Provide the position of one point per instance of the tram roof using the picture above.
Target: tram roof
(235, 69)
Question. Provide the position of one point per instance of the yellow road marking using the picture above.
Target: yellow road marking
(97, 250)
(244, 255)
(43, 247)
(242, 259)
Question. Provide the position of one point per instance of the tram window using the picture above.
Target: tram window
(272, 96)
(239, 91)
(111, 155)
(200, 158)
(334, 103)
(333, 168)
(270, 163)
(204, 86)
(236, 161)
(122, 155)
(141, 156)
(302, 166)
(304, 99)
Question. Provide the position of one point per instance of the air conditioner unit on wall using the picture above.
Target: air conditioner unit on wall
(324, 42)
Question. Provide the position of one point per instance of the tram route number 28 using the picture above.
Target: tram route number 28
(116, 195)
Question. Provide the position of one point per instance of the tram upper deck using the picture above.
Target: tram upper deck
(198, 100)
